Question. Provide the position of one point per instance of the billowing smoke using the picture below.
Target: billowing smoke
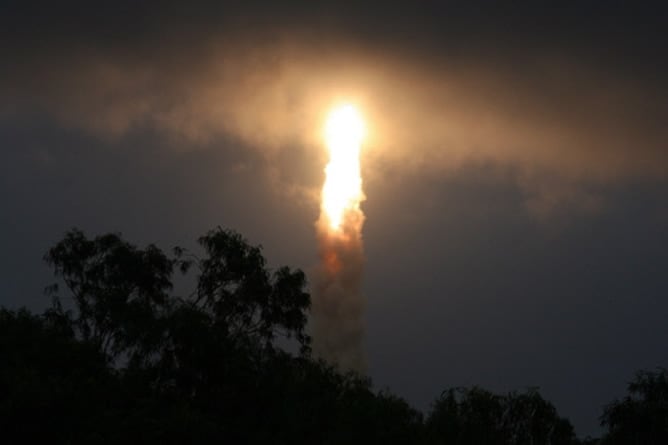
(338, 303)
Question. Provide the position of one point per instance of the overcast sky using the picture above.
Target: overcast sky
(515, 167)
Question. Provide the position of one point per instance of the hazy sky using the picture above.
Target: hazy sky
(515, 168)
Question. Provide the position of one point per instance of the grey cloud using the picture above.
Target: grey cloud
(534, 89)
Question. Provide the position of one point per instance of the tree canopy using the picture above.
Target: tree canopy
(120, 358)
(642, 416)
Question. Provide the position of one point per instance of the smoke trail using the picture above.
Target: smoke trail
(338, 304)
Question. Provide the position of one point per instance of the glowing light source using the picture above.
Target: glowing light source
(342, 191)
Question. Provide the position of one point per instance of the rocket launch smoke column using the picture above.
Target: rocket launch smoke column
(338, 304)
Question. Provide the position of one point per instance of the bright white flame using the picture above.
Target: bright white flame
(342, 191)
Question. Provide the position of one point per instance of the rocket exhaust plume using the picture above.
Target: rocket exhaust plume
(338, 304)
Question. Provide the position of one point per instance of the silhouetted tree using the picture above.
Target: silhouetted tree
(243, 297)
(51, 384)
(120, 291)
(474, 416)
(642, 416)
(467, 416)
(530, 419)
(129, 362)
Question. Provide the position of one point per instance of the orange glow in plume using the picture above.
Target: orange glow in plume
(338, 303)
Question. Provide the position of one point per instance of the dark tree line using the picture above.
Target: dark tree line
(119, 358)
